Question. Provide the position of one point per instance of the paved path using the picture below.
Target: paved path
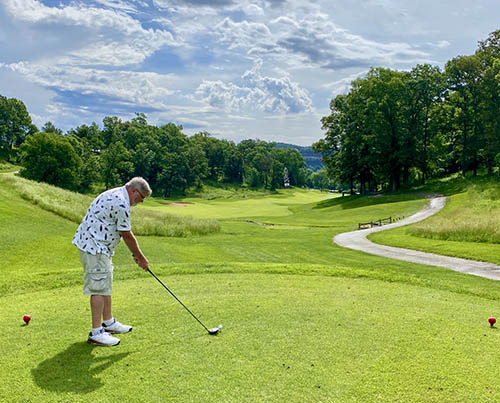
(357, 240)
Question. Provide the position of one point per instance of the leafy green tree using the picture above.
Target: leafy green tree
(463, 77)
(50, 128)
(425, 90)
(488, 54)
(294, 162)
(233, 164)
(15, 126)
(89, 135)
(111, 131)
(116, 165)
(219, 154)
(276, 174)
(87, 142)
(321, 180)
(50, 158)
(338, 147)
(257, 162)
(179, 164)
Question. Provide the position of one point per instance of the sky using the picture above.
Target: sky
(252, 69)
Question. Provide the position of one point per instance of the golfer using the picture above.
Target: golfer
(106, 222)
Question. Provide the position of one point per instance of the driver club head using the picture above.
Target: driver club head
(214, 330)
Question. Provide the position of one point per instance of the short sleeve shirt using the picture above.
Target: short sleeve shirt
(109, 213)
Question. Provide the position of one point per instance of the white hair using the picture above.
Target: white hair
(139, 184)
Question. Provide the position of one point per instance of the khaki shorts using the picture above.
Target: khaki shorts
(98, 274)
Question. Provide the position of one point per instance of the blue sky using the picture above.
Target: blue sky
(248, 69)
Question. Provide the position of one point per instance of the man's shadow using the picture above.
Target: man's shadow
(74, 370)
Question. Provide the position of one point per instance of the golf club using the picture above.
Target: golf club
(212, 331)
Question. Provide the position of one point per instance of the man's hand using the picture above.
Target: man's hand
(132, 244)
(142, 263)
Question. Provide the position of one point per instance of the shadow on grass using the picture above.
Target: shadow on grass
(73, 370)
(448, 187)
(357, 201)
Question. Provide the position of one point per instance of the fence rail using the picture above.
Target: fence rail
(378, 223)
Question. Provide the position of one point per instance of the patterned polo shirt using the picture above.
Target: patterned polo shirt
(99, 232)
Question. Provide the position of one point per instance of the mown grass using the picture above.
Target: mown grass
(73, 206)
(304, 320)
(240, 204)
(286, 338)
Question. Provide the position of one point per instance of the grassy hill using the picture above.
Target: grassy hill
(304, 320)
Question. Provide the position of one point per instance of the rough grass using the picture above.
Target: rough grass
(470, 216)
(73, 206)
(8, 167)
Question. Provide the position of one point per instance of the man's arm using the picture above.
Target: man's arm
(132, 244)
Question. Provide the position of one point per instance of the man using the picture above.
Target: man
(106, 222)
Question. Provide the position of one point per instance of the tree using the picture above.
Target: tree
(220, 157)
(463, 77)
(116, 165)
(50, 158)
(321, 180)
(90, 135)
(50, 128)
(15, 125)
(294, 162)
(257, 162)
(179, 163)
(488, 54)
(425, 90)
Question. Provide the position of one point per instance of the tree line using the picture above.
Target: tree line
(396, 128)
(171, 161)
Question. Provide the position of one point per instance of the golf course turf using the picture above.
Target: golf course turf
(304, 320)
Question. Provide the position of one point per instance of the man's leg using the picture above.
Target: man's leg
(97, 303)
(107, 313)
(98, 307)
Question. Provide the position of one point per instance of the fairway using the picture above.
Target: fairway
(303, 319)
(275, 205)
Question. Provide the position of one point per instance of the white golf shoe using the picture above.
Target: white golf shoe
(103, 339)
(117, 327)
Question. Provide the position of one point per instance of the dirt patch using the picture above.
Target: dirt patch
(178, 204)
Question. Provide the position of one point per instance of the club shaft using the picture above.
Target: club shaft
(178, 300)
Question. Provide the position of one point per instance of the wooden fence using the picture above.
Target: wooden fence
(377, 223)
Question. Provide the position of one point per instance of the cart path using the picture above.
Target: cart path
(357, 240)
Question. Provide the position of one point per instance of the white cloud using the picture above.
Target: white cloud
(439, 44)
(113, 53)
(343, 86)
(257, 94)
(242, 34)
(115, 38)
(253, 9)
(312, 40)
(78, 14)
(118, 4)
(132, 87)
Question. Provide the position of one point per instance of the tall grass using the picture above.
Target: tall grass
(73, 206)
(7, 167)
(471, 216)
